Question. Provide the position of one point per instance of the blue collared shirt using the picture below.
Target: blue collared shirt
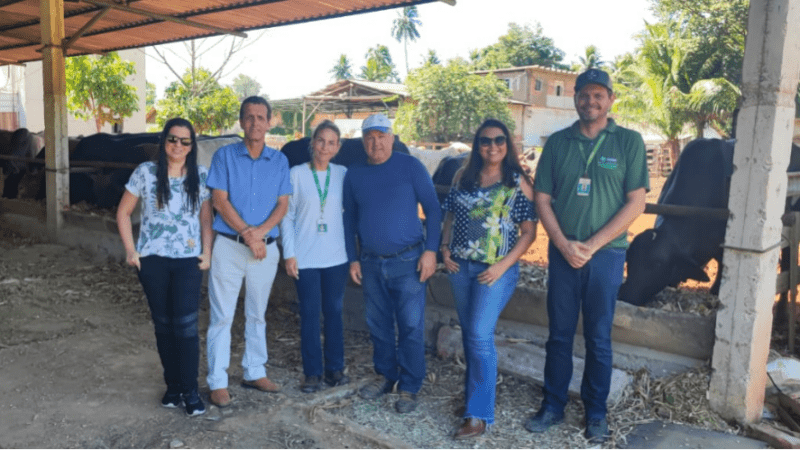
(253, 185)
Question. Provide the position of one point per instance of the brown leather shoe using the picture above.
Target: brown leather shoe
(220, 397)
(471, 428)
(262, 384)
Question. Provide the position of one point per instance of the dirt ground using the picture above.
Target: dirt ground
(79, 369)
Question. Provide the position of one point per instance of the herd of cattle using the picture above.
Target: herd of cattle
(676, 249)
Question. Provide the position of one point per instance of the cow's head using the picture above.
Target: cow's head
(654, 261)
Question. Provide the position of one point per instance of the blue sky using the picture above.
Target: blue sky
(294, 60)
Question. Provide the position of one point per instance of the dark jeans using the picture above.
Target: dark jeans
(322, 289)
(592, 290)
(172, 287)
(393, 294)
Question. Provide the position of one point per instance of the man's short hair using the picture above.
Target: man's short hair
(255, 100)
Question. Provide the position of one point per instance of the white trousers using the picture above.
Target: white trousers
(230, 263)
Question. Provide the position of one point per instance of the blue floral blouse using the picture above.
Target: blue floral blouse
(486, 220)
(174, 230)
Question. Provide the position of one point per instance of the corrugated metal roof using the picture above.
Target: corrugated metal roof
(117, 29)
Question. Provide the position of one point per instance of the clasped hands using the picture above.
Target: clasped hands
(254, 239)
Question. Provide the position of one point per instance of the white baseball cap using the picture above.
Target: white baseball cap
(377, 122)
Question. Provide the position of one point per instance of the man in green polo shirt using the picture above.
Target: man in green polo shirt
(590, 185)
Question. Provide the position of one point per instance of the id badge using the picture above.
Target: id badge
(584, 186)
(322, 227)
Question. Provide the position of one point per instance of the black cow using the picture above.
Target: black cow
(104, 186)
(678, 248)
(352, 151)
(19, 143)
(95, 186)
(446, 171)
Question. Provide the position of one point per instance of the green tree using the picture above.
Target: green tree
(431, 58)
(449, 103)
(379, 66)
(591, 60)
(720, 25)
(521, 46)
(150, 95)
(199, 98)
(245, 86)
(96, 88)
(669, 84)
(404, 28)
(292, 123)
(343, 69)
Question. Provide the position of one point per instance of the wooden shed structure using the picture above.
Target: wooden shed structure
(347, 97)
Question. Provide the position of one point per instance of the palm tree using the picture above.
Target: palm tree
(672, 82)
(592, 59)
(712, 102)
(404, 28)
(379, 65)
(343, 70)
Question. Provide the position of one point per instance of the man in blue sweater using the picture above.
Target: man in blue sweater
(396, 258)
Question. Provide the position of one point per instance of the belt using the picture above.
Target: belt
(239, 239)
(396, 254)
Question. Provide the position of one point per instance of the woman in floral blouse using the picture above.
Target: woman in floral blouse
(174, 247)
(489, 223)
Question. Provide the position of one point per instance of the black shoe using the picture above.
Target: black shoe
(376, 389)
(171, 399)
(311, 384)
(337, 378)
(597, 430)
(406, 403)
(543, 420)
(194, 406)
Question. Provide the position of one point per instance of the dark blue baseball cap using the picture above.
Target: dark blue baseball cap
(593, 76)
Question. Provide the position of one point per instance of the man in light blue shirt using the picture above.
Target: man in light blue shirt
(250, 191)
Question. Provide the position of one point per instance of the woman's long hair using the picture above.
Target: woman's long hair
(192, 182)
(470, 179)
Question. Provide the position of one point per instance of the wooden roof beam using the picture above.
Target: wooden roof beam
(84, 28)
(9, 2)
(165, 18)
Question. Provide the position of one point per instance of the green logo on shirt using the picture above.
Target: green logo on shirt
(607, 163)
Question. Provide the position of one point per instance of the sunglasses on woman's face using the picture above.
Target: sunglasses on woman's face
(186, 142)
(484, 141)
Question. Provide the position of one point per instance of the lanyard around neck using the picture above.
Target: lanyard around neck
(323, 195)
(594, 151)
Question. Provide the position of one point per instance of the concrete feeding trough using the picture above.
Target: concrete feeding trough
(664, 342)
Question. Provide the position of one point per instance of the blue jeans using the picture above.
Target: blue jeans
(592, 290)
(393, 294)
(322, 289)
(172, 287)
(479, 306)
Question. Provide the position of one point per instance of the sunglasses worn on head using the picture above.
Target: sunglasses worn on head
(484, 141)
(186, 142)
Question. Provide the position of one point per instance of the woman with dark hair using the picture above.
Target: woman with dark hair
(175, 233)
(489, 223)
(313, 246)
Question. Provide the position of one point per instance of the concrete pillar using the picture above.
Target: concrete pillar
(55, 114)
(757, 196)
